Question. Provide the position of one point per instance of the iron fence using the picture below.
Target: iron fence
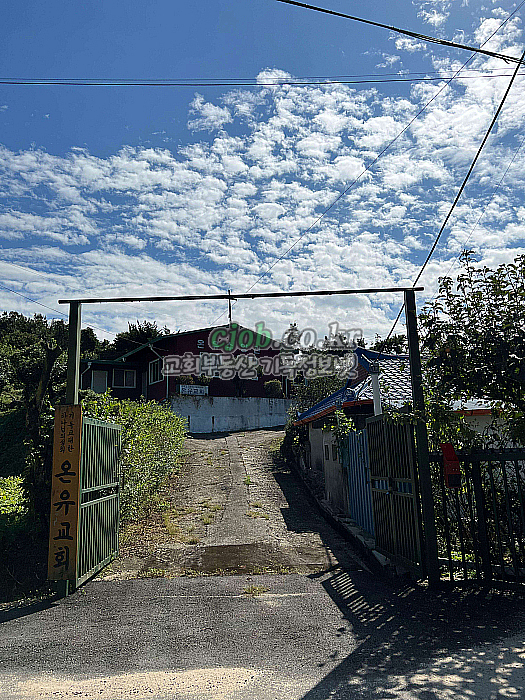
(395, 493)
(481, 524)
(354, 459)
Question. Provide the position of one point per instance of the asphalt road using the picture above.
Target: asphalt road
(338, 635)
(334, 632)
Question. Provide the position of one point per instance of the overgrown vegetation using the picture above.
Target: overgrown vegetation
(32, 382)
(152, 442)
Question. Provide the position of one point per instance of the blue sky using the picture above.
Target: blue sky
(146, 190)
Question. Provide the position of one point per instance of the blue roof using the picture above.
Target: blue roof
(394, 380)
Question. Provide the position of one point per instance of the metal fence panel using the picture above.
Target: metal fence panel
(99, 497)
(354, 455)
(481, 524)
(395, 496)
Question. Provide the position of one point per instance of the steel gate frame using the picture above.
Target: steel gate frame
(395, 492)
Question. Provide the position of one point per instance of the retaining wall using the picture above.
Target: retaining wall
(221, 414)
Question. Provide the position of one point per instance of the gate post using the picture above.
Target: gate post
(73, 353)
(423, 461)
(64, 587)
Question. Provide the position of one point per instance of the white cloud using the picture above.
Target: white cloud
(216, 212)
(209, 116)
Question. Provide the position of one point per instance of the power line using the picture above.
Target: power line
(254, 84)
(413, 35)
(387, 147)
(229, 79)
(463, 245)
(463, 185)
(49, 308)
(33, 301)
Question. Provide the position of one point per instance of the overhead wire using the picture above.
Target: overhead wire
(49, 308)
(462, 187)
(254, 84)
(494, 192)
(405, 32)
(370, 165)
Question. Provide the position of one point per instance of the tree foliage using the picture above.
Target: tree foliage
(474, 334)
(152, 442)
(138, 333)
(396, 345)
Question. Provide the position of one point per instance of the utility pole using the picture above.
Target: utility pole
(423, 461)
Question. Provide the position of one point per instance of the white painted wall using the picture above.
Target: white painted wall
(221, 414)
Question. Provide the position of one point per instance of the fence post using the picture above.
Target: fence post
(64, 587)
(423, 461)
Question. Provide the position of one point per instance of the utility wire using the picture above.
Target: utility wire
(254, 84)
(494, 192)
(414, 35)
(49, 308)
(229, 79)
(463, 184)
(387, 147)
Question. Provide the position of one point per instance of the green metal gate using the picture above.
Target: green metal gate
(99, 498)
(395, 495)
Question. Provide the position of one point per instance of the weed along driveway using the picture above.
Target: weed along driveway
(234, 508)
(235, 588)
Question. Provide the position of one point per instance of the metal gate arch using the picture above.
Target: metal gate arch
(395, 493)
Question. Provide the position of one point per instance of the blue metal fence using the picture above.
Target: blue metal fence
(354, 456)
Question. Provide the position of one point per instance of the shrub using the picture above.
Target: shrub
(13, 510)
(273, 389)
(152, 442)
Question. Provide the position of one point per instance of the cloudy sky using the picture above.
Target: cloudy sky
(119, 191)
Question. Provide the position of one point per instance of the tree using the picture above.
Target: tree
(29, 353)
(137, 334)
(395, 345)
(473, 334)
(32, 380)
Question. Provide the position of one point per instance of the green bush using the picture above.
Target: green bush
(152, 442)
(273, 389)
(13, 510)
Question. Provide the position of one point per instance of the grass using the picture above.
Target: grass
(255, 590)
(206, 518)
(154, 573)
(257, 514)
(215, 507)
(247, 480)
(256, 504)
(273, 569)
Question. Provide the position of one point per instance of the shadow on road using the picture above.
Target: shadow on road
(406, 633)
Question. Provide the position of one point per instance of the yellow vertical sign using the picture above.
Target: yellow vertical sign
(65, 493)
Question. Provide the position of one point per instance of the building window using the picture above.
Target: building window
(155, 371)
(326, 452)
(334, 452)
(124, 378)
(99, 381)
